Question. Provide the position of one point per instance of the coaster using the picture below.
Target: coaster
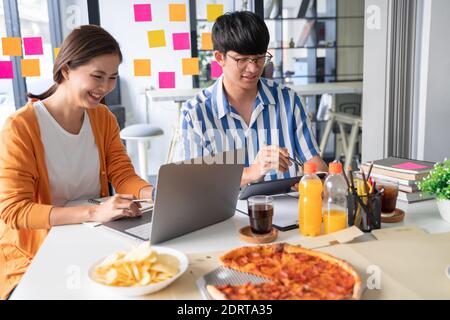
(246, 234)
(397, 216)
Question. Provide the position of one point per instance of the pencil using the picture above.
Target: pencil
(370, 171)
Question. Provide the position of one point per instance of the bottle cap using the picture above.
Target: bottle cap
(335, 167)
(309, 168)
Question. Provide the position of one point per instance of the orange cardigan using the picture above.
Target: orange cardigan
(25, 200)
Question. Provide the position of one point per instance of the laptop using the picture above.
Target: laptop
(189, 196)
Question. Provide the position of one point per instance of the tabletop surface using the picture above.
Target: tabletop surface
(71, 250)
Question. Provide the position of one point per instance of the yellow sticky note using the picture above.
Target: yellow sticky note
(177, 12)
(55, 52)
(142, 67)
(31, 68)
(213, 11)
(156, 38)
(190, 66)
(207, 43)
(12, 47)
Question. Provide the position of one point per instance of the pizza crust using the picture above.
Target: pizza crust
(286, 248)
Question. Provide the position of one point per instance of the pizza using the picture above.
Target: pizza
(292, 273)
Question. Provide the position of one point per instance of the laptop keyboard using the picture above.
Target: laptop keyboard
(143, 231)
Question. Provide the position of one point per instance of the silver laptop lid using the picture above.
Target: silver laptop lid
(195, 194)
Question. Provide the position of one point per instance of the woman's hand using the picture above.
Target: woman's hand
(118, 206)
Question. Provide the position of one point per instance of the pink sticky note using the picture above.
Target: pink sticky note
(33, 46)
(409, 166)
(216, 69)
(6, 70)
(167, 80)
(181, 41)
(142, 12)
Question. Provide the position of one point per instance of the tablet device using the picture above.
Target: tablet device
(268, 188)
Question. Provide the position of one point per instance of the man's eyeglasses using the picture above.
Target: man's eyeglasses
(260, 62)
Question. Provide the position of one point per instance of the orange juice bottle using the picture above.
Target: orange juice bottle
(335, 200)
(310, 201)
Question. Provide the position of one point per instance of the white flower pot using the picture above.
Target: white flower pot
(444, 209)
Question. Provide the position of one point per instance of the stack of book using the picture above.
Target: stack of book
(406, 172)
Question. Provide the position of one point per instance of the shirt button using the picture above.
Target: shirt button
(103, 172)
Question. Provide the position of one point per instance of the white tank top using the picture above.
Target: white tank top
(72, 159)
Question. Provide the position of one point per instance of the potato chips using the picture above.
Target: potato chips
(139, 267)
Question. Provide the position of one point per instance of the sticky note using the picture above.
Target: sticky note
(156, 38)
(177, 12)
(142, 68)
(207, 43)
(31, 68)
(216, 69)
(409, 166)
(33, 46)
(181, 41)
(56, 52)
(6, 70)
(167, 80)
(213, 11)
(190, 66)
(142, 12)
(12, 47)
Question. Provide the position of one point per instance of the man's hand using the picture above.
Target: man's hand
(268, 158)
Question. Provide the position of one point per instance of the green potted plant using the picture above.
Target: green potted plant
(438, 183)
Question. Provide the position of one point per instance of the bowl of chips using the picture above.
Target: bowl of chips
(138, 272)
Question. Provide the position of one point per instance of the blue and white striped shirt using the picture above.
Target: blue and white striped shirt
(210, 125)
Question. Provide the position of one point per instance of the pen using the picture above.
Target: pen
(142, 200)
(298, 162)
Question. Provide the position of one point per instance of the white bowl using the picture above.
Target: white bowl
(147, 289)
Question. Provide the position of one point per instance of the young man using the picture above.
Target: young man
(243, 110)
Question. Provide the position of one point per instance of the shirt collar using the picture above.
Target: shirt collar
(222, 106)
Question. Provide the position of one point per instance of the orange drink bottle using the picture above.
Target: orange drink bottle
(335, 200)
(310, 201)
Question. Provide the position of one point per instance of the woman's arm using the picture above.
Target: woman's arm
(116, 207)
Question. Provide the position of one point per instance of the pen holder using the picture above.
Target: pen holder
(364, 212)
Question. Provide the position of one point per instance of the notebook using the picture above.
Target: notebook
(407, 169)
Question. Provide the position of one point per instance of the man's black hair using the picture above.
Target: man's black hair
(242, 31)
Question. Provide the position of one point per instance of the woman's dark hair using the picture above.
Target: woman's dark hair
(240, 31)
(80, 46)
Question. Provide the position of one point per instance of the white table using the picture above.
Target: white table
(179, 96)
(59, 270)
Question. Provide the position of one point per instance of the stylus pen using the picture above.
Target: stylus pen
(298, 162)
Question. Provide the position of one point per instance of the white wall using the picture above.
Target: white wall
(434, 100)
(117, 16)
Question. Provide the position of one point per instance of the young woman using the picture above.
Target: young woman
(64, 146)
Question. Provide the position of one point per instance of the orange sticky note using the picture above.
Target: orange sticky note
(31, 68)
(190, 66)
(142, 68)
(56, 52)
(156, 38)
(177, 12)
(207, 43)
(213, 11)
(12, 47)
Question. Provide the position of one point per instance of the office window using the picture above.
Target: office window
(34, 23)
(6, 85)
